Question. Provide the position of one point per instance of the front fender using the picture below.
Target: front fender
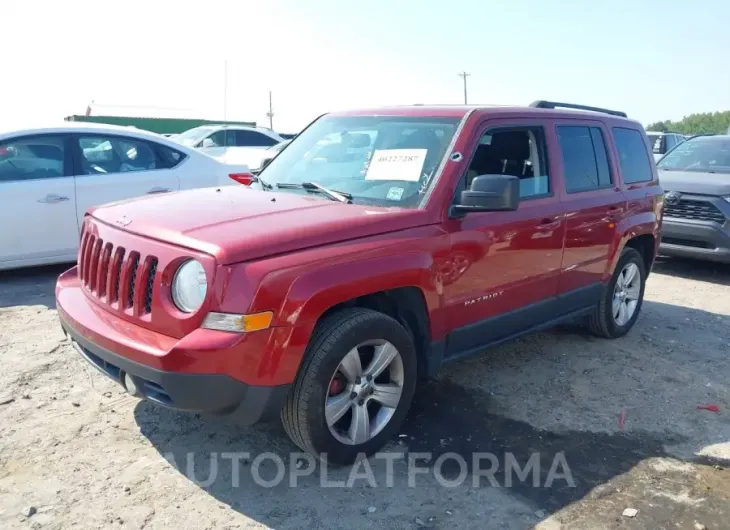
(313, 293)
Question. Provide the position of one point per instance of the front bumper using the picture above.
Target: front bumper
(695, 239)
(164, 370)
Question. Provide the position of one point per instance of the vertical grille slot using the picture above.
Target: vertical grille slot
(115, 275)
(102, 273)
(80, 258)
(134, 258)
(94, 264)
(86, 259)
(150, 285)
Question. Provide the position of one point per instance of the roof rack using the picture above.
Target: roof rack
(541, 104)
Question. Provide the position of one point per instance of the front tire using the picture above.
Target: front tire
(354, 387)
(619, 308)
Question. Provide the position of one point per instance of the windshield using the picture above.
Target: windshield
(378, 160)
(707, 153)
(193, 136)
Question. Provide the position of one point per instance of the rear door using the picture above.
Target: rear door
(593, 202)
(38, 212)
(110, 168)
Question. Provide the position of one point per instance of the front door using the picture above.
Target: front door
(502, 275)
(38, 213)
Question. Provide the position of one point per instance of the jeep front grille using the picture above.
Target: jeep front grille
(695, 210)
(116, 276)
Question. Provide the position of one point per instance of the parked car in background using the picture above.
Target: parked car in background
(254, 157)
(214, 140)
(696, 180)
(663, 142)
(377, 246)
(50, 177)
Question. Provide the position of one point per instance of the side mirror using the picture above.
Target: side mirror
(490, 193)
(265, 162)
(207, 143)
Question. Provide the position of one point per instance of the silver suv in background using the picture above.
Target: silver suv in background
(663, 142)
(696, 181)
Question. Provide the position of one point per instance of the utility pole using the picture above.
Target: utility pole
(464, 75)
(225, 90)
(270, 114)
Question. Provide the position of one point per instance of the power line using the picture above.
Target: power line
(464, 75)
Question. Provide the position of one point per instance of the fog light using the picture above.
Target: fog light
(130, 386)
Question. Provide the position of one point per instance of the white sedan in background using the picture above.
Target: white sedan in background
(50, 177)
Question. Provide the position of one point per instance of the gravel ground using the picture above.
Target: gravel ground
(617, 419)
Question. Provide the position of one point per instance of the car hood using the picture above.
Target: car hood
(696, 182)
(235, 224)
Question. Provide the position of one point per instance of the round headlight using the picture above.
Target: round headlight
(189, 286)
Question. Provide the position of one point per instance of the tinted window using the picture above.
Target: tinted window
(516, 152)
(169, 158)
(218, 138)
(634, 160)
(30, 158)
(585, 160)
(253, 139)
(115, 154)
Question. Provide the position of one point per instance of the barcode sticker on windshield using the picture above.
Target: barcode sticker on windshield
(397, 164)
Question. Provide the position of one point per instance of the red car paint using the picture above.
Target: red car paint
(299, 256)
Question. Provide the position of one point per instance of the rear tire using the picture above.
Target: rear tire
(317, 411)
(619, 308)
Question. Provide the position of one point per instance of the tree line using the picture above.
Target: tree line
(703, 123)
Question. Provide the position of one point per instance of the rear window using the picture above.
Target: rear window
(169, 157)
(632, 154)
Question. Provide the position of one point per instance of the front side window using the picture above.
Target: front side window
(194, 136)
(710, 154)
(378, 160)
(217, 139)
(585, 161)
(253, 139)
(115, 154)
(32, 158)
(518, 152)
(634, 160)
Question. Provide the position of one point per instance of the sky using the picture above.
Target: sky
(654, 59)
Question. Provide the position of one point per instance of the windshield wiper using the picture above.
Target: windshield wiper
(313, 186)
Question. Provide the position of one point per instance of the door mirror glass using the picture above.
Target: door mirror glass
(490, 193)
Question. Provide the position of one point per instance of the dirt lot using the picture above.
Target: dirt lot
(624, 415)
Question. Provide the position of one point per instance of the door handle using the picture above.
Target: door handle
(158, 190)
(613, 211)
(549, 223)
(53, 199)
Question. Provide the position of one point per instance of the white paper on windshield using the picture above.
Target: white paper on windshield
(397, 164)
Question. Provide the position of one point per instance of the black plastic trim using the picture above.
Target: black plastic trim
(217, 394)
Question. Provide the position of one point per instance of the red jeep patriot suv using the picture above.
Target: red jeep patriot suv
(376, 246)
